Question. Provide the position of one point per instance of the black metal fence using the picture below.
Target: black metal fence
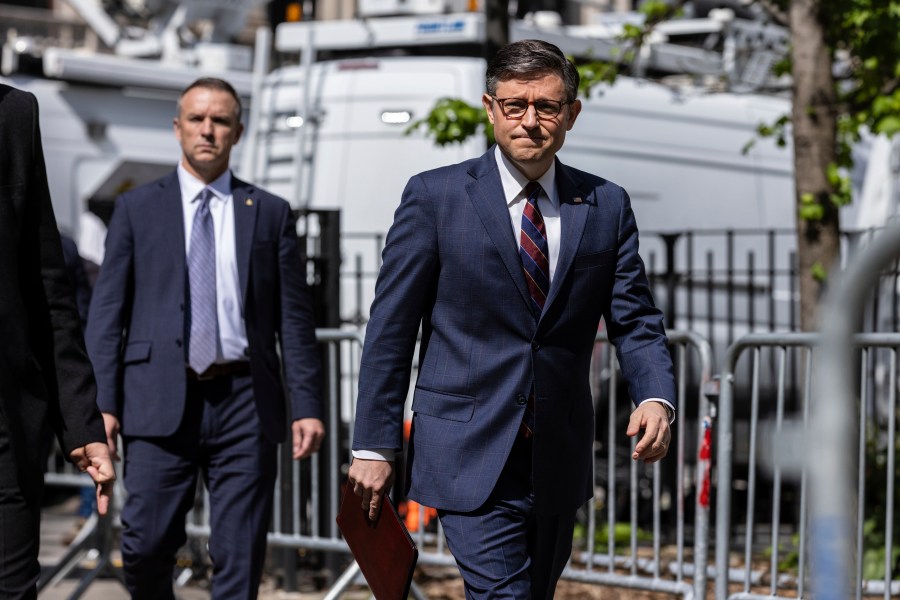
(718, 283)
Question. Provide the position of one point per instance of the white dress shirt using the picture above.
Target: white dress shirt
(232, 344)
(548, 202)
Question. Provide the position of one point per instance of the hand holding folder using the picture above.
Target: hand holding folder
(383, 548)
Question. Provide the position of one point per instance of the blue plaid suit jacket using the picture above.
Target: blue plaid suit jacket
(451, 265)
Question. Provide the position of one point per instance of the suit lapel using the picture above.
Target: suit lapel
(171, 219)
(573, 216)
(245, 211)
(486, 195)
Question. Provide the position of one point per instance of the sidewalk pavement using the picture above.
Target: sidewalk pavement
(59, 520)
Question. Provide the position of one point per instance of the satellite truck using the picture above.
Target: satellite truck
(327, 125)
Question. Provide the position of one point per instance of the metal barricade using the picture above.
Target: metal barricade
(302, 522)
(307, 492)
(643, 564)
(775, 555)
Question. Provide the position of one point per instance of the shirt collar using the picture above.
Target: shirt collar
(513, 180)
(191, 186)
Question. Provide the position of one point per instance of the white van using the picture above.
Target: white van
(679, 154)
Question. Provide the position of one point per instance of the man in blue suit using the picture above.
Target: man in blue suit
(508, 262)
(203, 276)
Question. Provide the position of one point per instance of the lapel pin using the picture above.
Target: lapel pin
(249, 201)
(577, 199)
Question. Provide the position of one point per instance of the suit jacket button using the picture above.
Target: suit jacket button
(535, 345)
(178, 343)
(521, 399)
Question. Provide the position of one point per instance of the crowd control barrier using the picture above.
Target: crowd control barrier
(646, 528)
(764, 543)
(306, 502)
(666, 518)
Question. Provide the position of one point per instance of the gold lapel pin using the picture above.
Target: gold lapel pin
(577, 199)
(249, 201)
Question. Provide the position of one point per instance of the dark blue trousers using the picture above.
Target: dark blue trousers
(505, 549)
(220, 438)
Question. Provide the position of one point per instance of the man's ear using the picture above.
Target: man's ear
(487, 101)
(574, 111)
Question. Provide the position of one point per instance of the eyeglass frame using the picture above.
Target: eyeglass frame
(501, 101)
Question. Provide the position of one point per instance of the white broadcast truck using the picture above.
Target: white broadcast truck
(332, 135)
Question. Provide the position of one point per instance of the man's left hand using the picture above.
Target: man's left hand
(308, 435)
(651, 416)
(94, 460)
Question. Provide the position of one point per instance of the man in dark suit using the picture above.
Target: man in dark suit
(202, 278)
(508, 262)
(45, 376)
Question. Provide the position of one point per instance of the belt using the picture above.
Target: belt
(217, 370)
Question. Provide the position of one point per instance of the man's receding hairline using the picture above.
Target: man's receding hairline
(238, 107)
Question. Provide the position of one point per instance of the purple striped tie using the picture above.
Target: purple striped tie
(204, 331)
(533, 249)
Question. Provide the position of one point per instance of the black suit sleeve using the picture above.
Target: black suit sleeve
(55, 327)
(77, 276)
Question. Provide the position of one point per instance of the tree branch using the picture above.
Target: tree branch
(779, 16)
(890, 87)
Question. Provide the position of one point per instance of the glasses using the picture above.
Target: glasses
(515, 108)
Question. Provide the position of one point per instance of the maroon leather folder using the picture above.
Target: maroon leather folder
(383, 549)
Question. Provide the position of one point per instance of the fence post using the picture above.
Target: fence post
(830, 444)
(670, 239)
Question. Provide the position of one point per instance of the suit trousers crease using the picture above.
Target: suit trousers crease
(506, 549)
(221, 439)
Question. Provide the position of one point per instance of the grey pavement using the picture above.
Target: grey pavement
(60, 521)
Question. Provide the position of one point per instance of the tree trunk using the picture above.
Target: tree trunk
(814, 134)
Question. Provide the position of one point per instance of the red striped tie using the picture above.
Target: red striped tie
(533, 249)
(535, 261)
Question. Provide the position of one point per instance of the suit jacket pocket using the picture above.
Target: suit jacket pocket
(453, 407)
(136, 352)
(597, 259)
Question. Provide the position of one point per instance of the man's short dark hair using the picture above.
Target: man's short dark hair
(212, 83)
(530, 58)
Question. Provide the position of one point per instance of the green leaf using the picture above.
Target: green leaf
(812, 212)
(833, 175)
(810, 209)
(631, 32)
(654, 9)
(594, 73)
(882, 104)
(888, 125)
(748, 147)
(783, 66)
(453, 121)
(818, 272)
